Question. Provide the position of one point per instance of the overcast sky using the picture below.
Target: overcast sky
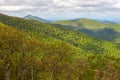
(63, 9)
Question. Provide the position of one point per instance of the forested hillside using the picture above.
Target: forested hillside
(106, 31)
(52, 33)
(32, 50)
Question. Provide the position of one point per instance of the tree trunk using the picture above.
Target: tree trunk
(51, 76)
(7, 71)
(69, 76)
(52, 72)
(23, 74)
(32, 73)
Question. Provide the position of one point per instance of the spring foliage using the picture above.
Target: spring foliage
(32, 50)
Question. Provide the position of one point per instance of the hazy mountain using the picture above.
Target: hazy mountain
(107, 21)
(30, 17)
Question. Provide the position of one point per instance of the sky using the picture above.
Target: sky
(63, 9)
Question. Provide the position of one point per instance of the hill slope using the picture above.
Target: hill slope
(52, 33)
(45, 51)
(19, 51)
(106, 31)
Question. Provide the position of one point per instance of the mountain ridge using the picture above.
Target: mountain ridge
(107, 31)
(31, 17)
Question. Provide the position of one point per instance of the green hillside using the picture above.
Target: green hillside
(32, 50)
(51, 33)
(20, 54)
(106, 31)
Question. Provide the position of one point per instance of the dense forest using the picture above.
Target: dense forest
(33, 50)
(106, 30)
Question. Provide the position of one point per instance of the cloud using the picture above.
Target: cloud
(61, 7)
(15, 8)
(55, 5)
(76, 3)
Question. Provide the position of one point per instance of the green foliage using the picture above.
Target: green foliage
(52, 33)
(106, 31)
(32, 50)
(89, 24)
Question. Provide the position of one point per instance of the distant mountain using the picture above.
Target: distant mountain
(89, 24)
(118, 22)
(106, 30)
(106, 21)
(30, 17)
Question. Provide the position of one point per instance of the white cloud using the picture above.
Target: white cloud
(1, 0)
(117, 5)
(76, 3)
(62, 7)
(55, 5)
(15, 8)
